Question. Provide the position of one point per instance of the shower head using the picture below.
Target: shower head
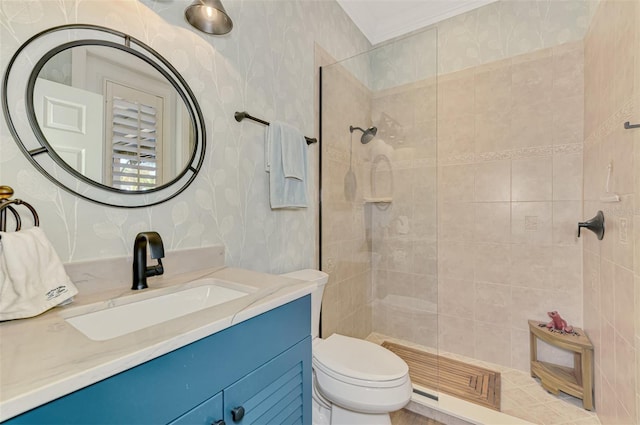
(367, 135)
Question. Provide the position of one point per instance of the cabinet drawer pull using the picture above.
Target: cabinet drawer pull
(237, 413)
(220, 422)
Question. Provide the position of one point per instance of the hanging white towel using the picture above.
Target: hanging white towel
(32, 278)
(294, 160)
(287, 166)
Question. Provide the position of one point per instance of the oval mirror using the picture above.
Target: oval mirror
(105, 116)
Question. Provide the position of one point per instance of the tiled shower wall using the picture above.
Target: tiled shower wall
(509, 197)
(404, 232)
(612, 266)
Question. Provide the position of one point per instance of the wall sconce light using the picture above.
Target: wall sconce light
(209, 16)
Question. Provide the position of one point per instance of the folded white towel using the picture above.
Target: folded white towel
(32, 278)
(287, 166)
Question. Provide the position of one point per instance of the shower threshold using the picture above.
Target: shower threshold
(451, 410)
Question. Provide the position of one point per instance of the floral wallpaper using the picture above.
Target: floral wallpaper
(265, 66)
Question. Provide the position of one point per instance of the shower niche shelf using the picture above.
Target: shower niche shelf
(378, 200)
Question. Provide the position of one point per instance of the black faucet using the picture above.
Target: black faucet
(140, 269)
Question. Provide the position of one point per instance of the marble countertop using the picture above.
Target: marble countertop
(44, 357)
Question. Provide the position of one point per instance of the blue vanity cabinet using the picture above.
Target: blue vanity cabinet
(260, 368)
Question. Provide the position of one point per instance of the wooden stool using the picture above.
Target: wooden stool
(578, 381)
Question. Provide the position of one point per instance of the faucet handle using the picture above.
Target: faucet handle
(156, 270)
(596, 225)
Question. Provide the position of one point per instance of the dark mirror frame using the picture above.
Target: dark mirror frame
(85, 187)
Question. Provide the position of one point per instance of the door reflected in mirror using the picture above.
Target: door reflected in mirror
(113, 118)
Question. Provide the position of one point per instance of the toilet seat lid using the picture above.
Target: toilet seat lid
(359, 359)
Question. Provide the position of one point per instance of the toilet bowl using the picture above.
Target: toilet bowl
(354, 381)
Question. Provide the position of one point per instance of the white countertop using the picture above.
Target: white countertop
(44, 357)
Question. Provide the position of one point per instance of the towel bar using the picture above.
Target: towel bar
(239, 116)
(6, 203)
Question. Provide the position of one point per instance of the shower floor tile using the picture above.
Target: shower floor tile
(522, 396)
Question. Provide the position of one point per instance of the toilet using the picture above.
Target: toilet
(355, 382)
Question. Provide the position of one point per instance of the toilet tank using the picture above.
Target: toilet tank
(320, 279)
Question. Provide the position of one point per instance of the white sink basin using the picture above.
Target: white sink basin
(117, 320)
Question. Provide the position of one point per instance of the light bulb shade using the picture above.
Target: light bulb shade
(209, 16)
